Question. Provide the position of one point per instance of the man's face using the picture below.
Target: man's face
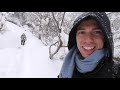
(89, 37)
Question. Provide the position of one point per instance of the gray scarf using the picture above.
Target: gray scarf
(73, 59)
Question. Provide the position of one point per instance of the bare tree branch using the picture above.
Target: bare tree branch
(57, 24)
(60, 45)
(55, 20)
(63, 18)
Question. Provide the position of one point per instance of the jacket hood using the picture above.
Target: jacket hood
(103, 21)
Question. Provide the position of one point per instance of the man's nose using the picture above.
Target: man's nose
(89, 38)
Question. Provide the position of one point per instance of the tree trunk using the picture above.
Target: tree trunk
(59, 41)
(58, 48)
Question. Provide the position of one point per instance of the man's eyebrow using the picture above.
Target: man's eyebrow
(96, 28)
(81, 29)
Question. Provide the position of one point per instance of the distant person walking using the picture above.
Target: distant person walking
(23, 39)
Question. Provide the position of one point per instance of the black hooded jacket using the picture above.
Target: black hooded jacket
(106, 68)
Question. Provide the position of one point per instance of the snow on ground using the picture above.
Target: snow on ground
(29, 61)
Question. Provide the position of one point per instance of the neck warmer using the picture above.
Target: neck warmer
(74, 59)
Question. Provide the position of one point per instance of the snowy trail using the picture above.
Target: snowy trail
(10, 62)
(28, 61)
(19, 62)
(25, 61)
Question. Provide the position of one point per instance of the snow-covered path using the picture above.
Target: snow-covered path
(28, 61)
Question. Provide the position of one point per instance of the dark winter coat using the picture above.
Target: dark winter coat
(23, 37)
(107, 67)
(104, 69)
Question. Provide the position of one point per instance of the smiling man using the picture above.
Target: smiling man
(90, 47)
(89, 37)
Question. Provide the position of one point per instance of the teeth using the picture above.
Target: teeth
(88, 48)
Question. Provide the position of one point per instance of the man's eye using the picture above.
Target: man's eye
(81, 32)
(98, 32)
